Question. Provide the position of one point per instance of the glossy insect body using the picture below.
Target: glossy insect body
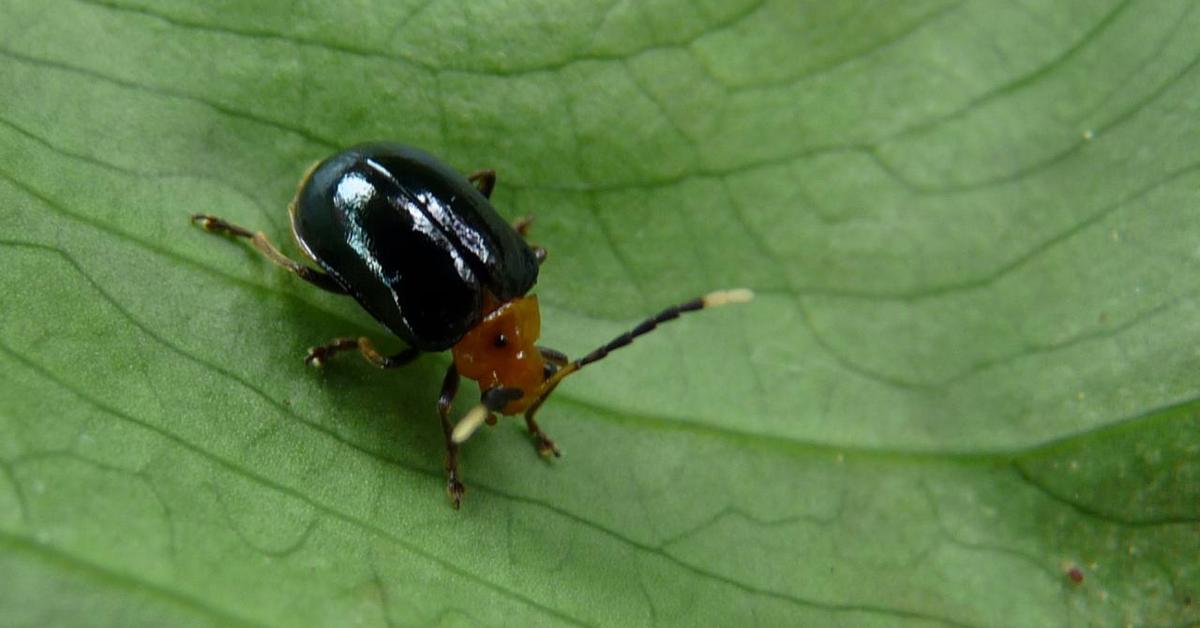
(422, 250)
(413, 241)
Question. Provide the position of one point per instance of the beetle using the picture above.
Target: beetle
(422, 250)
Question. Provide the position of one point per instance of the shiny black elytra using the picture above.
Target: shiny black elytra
(411, 240)
(423, 251)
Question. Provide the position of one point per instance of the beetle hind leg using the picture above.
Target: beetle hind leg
(264, 246)
(318, 355)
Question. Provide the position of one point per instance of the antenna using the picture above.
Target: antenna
(478, 415)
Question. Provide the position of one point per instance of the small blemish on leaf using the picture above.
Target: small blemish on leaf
(1075, 574)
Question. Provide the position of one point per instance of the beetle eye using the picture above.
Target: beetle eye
(501, 341)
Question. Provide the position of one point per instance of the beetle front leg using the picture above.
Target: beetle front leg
(454, 488)
(544, 445)
(264, 246)
(555, 360)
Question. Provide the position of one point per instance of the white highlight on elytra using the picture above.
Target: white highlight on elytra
(352, 193)
(469, 423)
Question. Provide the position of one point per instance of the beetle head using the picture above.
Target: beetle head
(501, 351)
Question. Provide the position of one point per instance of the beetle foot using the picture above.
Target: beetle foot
(454, 489)
(316, 356)
(206, 222)
(546, 447)
(217, 225)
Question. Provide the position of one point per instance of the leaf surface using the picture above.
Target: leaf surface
(965, 395)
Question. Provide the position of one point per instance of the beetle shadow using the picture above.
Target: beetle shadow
(391, 413)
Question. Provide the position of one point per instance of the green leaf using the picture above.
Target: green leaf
(967, 394)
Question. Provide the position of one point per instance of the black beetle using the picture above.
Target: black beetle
(421, 248)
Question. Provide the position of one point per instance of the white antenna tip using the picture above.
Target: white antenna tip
(723, 297)
(469, 424)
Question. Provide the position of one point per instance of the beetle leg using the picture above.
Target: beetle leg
(264, 246)
(318, 355)
(553, 356)
(545, 446)
(454, 488)
(484, 180)
(555, 361)
(521, 225)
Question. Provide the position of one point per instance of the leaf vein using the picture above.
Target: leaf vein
(892, 40)
(167, 93)
(125, 581)
(1104, 23)
(283, 489)
(1091, 512)
(1078, 145)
